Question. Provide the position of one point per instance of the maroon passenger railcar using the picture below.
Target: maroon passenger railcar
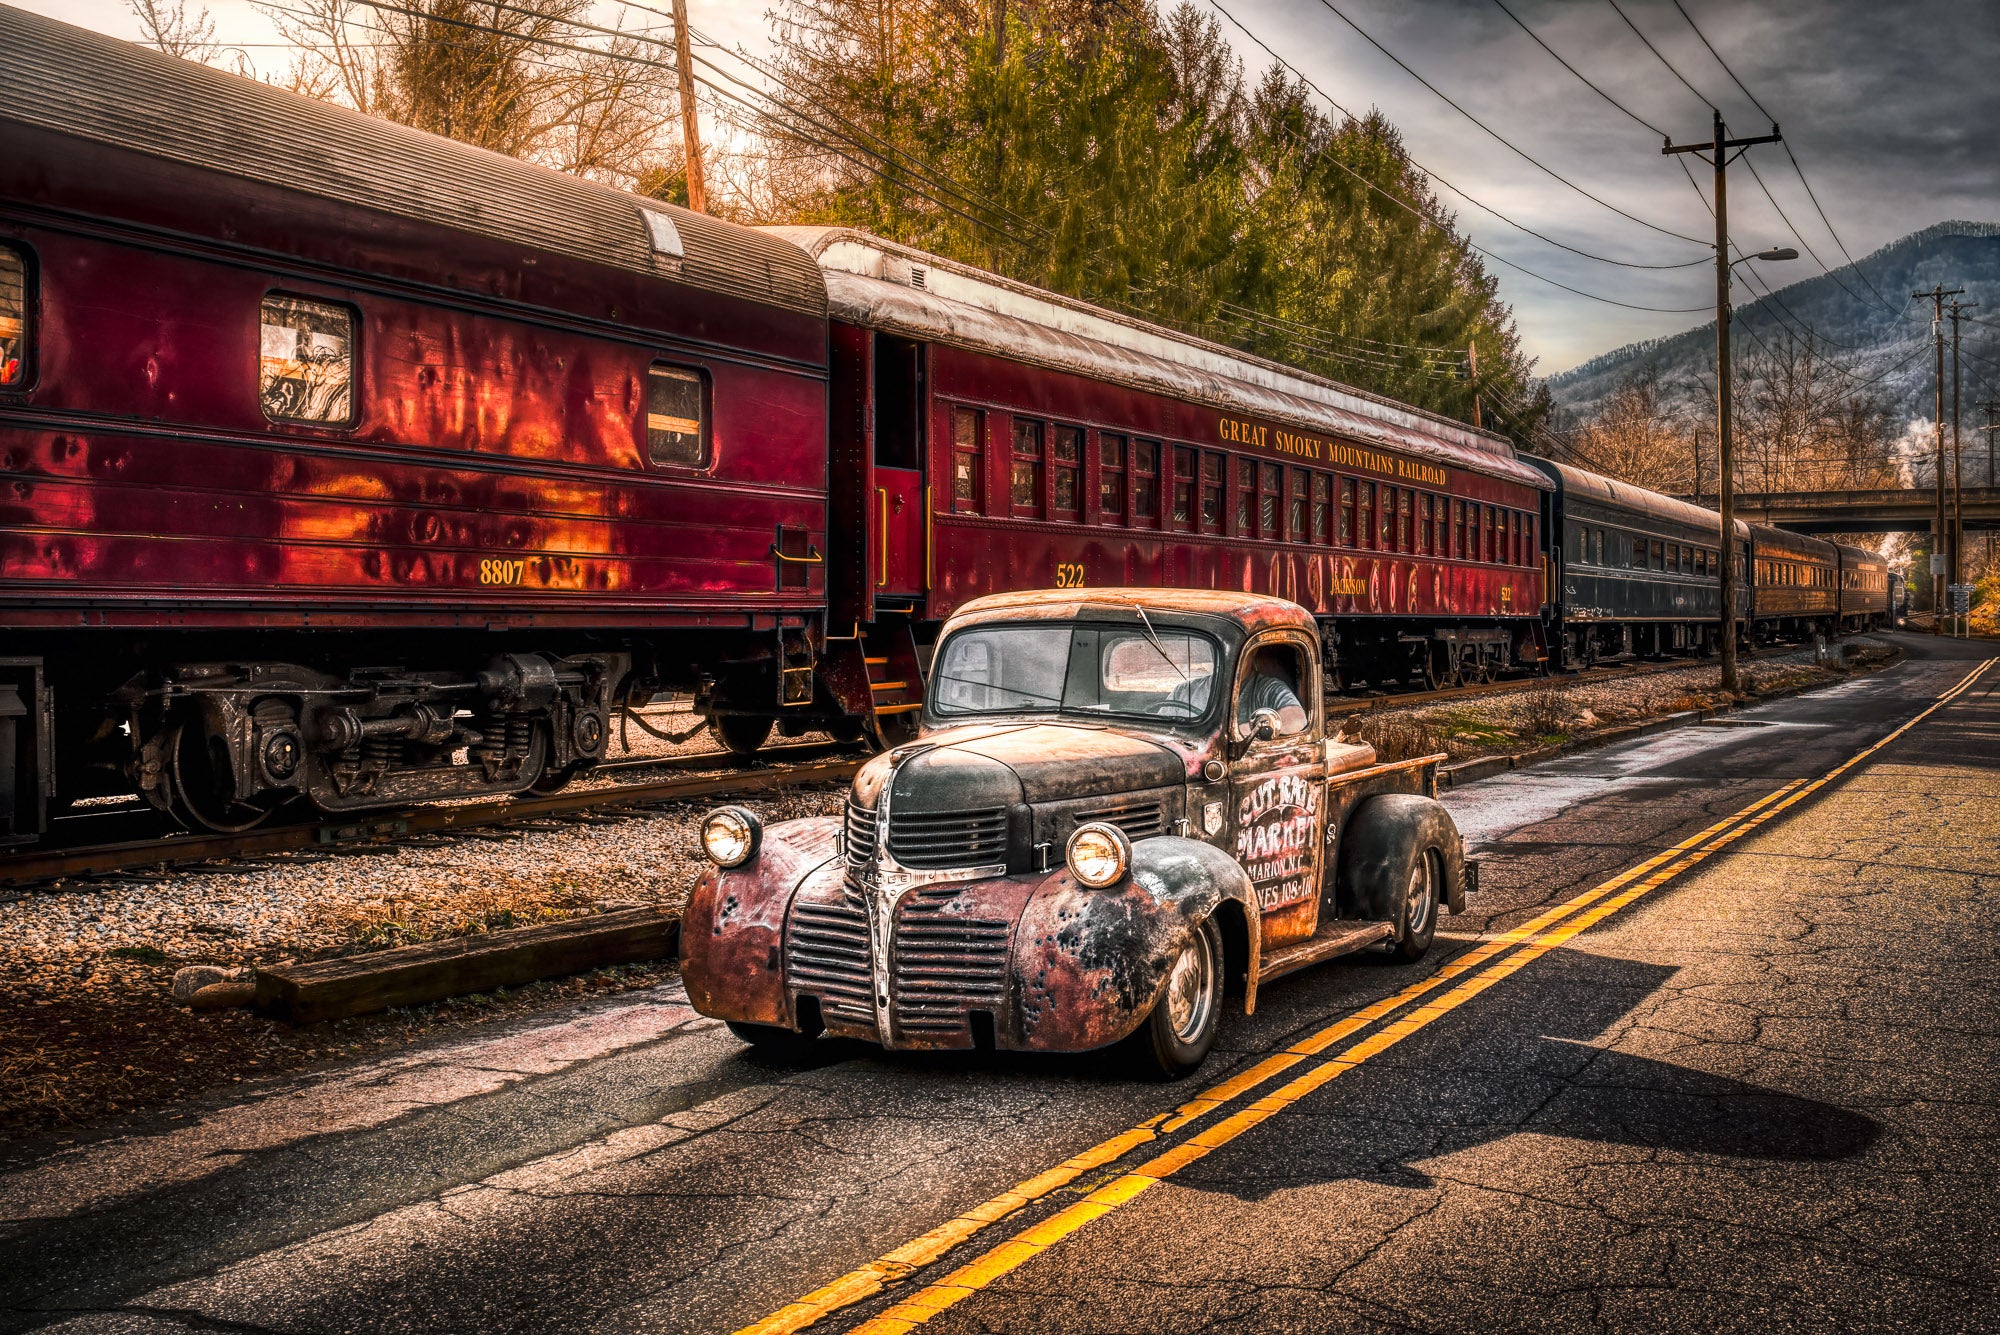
(989, 436)
(341, 460)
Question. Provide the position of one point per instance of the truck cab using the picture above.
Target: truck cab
(1121, 808)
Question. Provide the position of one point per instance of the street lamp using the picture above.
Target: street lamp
(1774, 253)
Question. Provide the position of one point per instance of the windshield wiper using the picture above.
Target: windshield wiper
(1154, 640)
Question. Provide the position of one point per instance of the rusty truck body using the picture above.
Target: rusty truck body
(1121, 808)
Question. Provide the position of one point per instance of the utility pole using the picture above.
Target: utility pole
(1940, 534)
(1957, 458)
(1716, 153)
(1472, 369)
(1992, 479)
(690, 123)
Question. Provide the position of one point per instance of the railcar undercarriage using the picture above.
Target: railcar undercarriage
(222, 745)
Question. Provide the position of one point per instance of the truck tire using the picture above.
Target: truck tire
(1395, 856)
(1175, 1039)
(768, 1040)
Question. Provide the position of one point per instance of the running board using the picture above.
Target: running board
(1342, 936)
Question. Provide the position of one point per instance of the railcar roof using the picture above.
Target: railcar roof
(884, 285)
(1610, 491)
(1251, 611)
(1791, 544)
(1857, 556)
(74, 81)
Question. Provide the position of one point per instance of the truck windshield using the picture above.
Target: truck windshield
(1075, 669)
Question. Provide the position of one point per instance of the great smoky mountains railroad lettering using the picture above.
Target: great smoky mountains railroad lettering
(1339, 454)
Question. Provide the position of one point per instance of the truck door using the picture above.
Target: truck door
(897, 510)
(1277, 788)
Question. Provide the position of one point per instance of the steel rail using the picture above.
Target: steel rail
(391, 824)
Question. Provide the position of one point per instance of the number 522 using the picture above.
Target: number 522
(1069, 575)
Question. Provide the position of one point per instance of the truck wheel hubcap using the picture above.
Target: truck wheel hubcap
(1191, 988)
(1421, 896)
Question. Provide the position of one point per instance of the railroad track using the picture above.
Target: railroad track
(797, 763)
(804, 763)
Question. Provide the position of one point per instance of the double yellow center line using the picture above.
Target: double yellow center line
(1535, 938)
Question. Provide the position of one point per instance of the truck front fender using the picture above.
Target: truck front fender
(733, 928)
(1090, 964)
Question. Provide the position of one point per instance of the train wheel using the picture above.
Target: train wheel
(893, 730)
(740, 734)
(204, 786)
(554, 780)
(846, 729)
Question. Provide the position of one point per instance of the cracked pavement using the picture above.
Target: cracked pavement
(1762, 1097)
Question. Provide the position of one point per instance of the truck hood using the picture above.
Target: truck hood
(988, 765)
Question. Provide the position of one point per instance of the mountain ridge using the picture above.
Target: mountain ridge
(1853, 315)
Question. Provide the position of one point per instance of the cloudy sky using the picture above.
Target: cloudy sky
(1891, 107)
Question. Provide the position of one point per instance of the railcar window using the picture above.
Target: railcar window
(968, 434)
(1211, 493)
(305, 363)
(1385, 520)
(1246, 495)
(1659, 555)
(1674, 557)
(1110, 477)
(1458, 528)
(1296, 504)
(1472, 532)
(1424, 513)
(13, 318)
(1065, 465)
(1025, 480)
(1405, 504)
(1597, 546)
(1346, 512)
(1145, 481)
(1183, 484)
(1322, 501)
(1270, 479)
(1364, 510)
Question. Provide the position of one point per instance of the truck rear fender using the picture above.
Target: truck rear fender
(1382, 836)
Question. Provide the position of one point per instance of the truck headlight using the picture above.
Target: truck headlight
(730, 836)
(1098, 855)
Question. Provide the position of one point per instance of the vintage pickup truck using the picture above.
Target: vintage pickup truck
(1121, 807)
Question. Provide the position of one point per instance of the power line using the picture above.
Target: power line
(1422, 217)
(1579, 73)
(1704, 98)
(1900, 312)
(1520, 152)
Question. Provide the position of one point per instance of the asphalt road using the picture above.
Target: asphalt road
(1760, 1095)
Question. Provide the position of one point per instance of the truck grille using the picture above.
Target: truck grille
(953, 839)
(946, 966)
(1139, 820)
(827, 957)
(860, 835)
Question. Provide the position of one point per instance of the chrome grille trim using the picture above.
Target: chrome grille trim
(945, 966)
(948, 839)
(860, 832)
(1139, 820)
(827, 956)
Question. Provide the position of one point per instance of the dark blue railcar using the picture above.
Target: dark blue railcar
(1633, 572)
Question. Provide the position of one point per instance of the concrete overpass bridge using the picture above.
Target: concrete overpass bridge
(1896, 511)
